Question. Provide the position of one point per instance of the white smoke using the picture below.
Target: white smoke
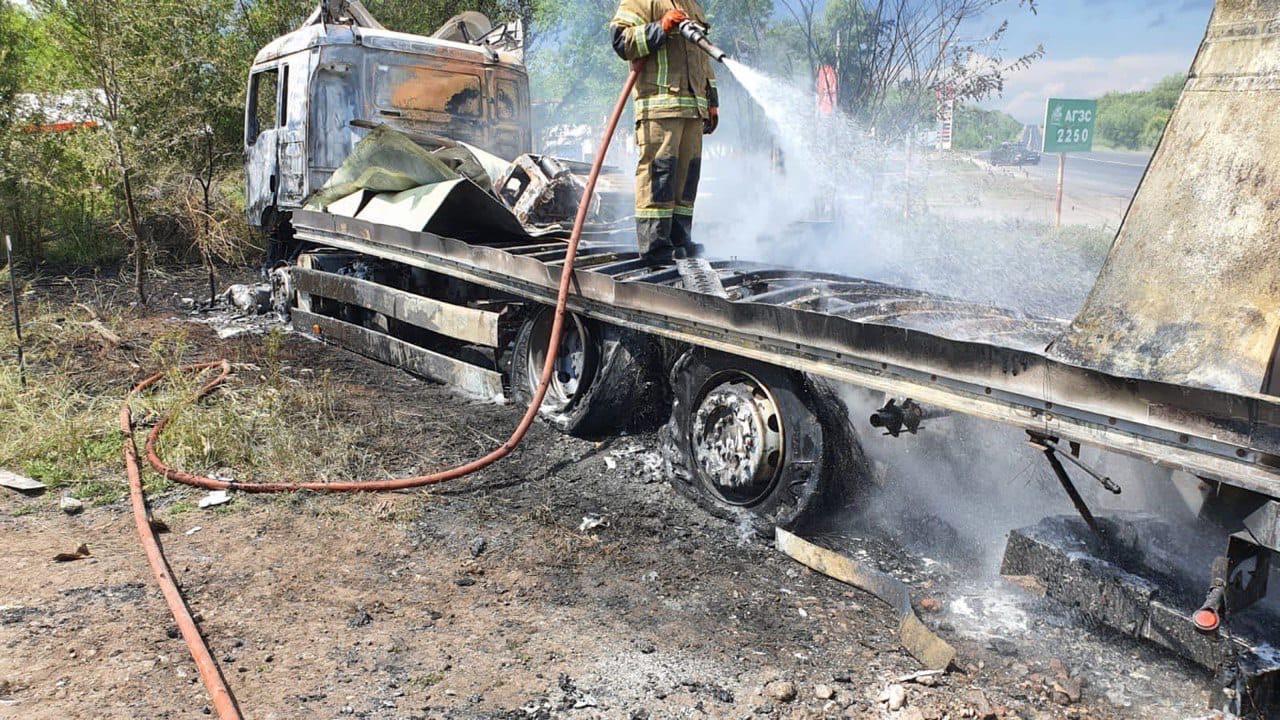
(823, 194)
(962, 485)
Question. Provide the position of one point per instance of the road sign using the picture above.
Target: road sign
(1068, 128)
(946, 116)
(1069, 125)
(828, 90)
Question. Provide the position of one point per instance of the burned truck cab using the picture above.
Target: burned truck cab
(313, 94)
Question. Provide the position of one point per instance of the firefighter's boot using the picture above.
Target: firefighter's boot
(667, 184)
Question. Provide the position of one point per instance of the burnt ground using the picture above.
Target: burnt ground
(491, 598)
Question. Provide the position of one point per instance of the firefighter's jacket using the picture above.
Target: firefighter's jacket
(676, 80)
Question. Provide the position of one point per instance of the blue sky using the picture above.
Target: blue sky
(1094, 46)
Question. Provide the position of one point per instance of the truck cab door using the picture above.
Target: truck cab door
(292, 140)
(509, 123)
(261, 138)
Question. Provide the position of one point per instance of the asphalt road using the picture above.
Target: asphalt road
(1107, 173)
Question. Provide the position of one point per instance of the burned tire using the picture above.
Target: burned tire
(608, 380)
(755, 441)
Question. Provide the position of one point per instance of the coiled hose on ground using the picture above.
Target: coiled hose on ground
(224, 702)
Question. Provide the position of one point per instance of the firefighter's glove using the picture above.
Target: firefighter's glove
(672, 20)
(712, 122)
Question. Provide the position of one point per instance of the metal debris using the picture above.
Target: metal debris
(932, 651)
(924, 677)
(540, 190)
(215, 498)
(24, 485)
(1084, 573)
(699, 276)
(80, 553)
(250, 299)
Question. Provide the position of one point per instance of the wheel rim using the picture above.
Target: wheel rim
(574, 365)
(737, 439)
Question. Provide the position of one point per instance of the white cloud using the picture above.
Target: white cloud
(1085, 77)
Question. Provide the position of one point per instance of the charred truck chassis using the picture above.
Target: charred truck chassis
(637, 333)
(1162, 363)
(750, 426)
(741, 437)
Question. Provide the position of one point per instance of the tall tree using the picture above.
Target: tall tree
(893, 57)
(115, 46)
(193, 118)
(576, 36)
(13, 50)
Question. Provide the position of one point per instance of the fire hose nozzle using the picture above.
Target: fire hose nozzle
(697, 34)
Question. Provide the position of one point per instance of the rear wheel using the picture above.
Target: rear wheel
(746, 439)
(607, 379)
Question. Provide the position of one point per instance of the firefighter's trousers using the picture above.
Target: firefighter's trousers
(667, 181)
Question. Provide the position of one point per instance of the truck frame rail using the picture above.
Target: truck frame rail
(968, 358)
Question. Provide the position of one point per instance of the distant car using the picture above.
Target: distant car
(1011, 153)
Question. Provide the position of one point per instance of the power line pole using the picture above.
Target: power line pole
(1062, 172)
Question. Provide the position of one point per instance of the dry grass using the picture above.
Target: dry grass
(270, 422)
(59, 427)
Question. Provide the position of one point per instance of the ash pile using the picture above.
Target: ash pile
(242, 309)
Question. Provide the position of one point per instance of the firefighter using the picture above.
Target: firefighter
(675, 104)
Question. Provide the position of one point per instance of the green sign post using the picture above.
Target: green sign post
(1068, 127)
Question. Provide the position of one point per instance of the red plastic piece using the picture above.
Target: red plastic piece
(1206, 620)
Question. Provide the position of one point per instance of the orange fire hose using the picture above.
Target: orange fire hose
(223, 701)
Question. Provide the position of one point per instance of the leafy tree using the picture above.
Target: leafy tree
(115, 47)
(14, 48)
(49, 183)
(12, 51)
(1122, 124)
(978, 129)
(1134, 120)
(575, 35)
(1155, 127)
(892, 57)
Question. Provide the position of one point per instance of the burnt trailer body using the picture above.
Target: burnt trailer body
(1172, 359)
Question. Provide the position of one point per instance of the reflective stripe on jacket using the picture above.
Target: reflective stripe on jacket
(677, 80)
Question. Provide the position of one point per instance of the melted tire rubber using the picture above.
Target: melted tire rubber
(626, 393)
(823, 465)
